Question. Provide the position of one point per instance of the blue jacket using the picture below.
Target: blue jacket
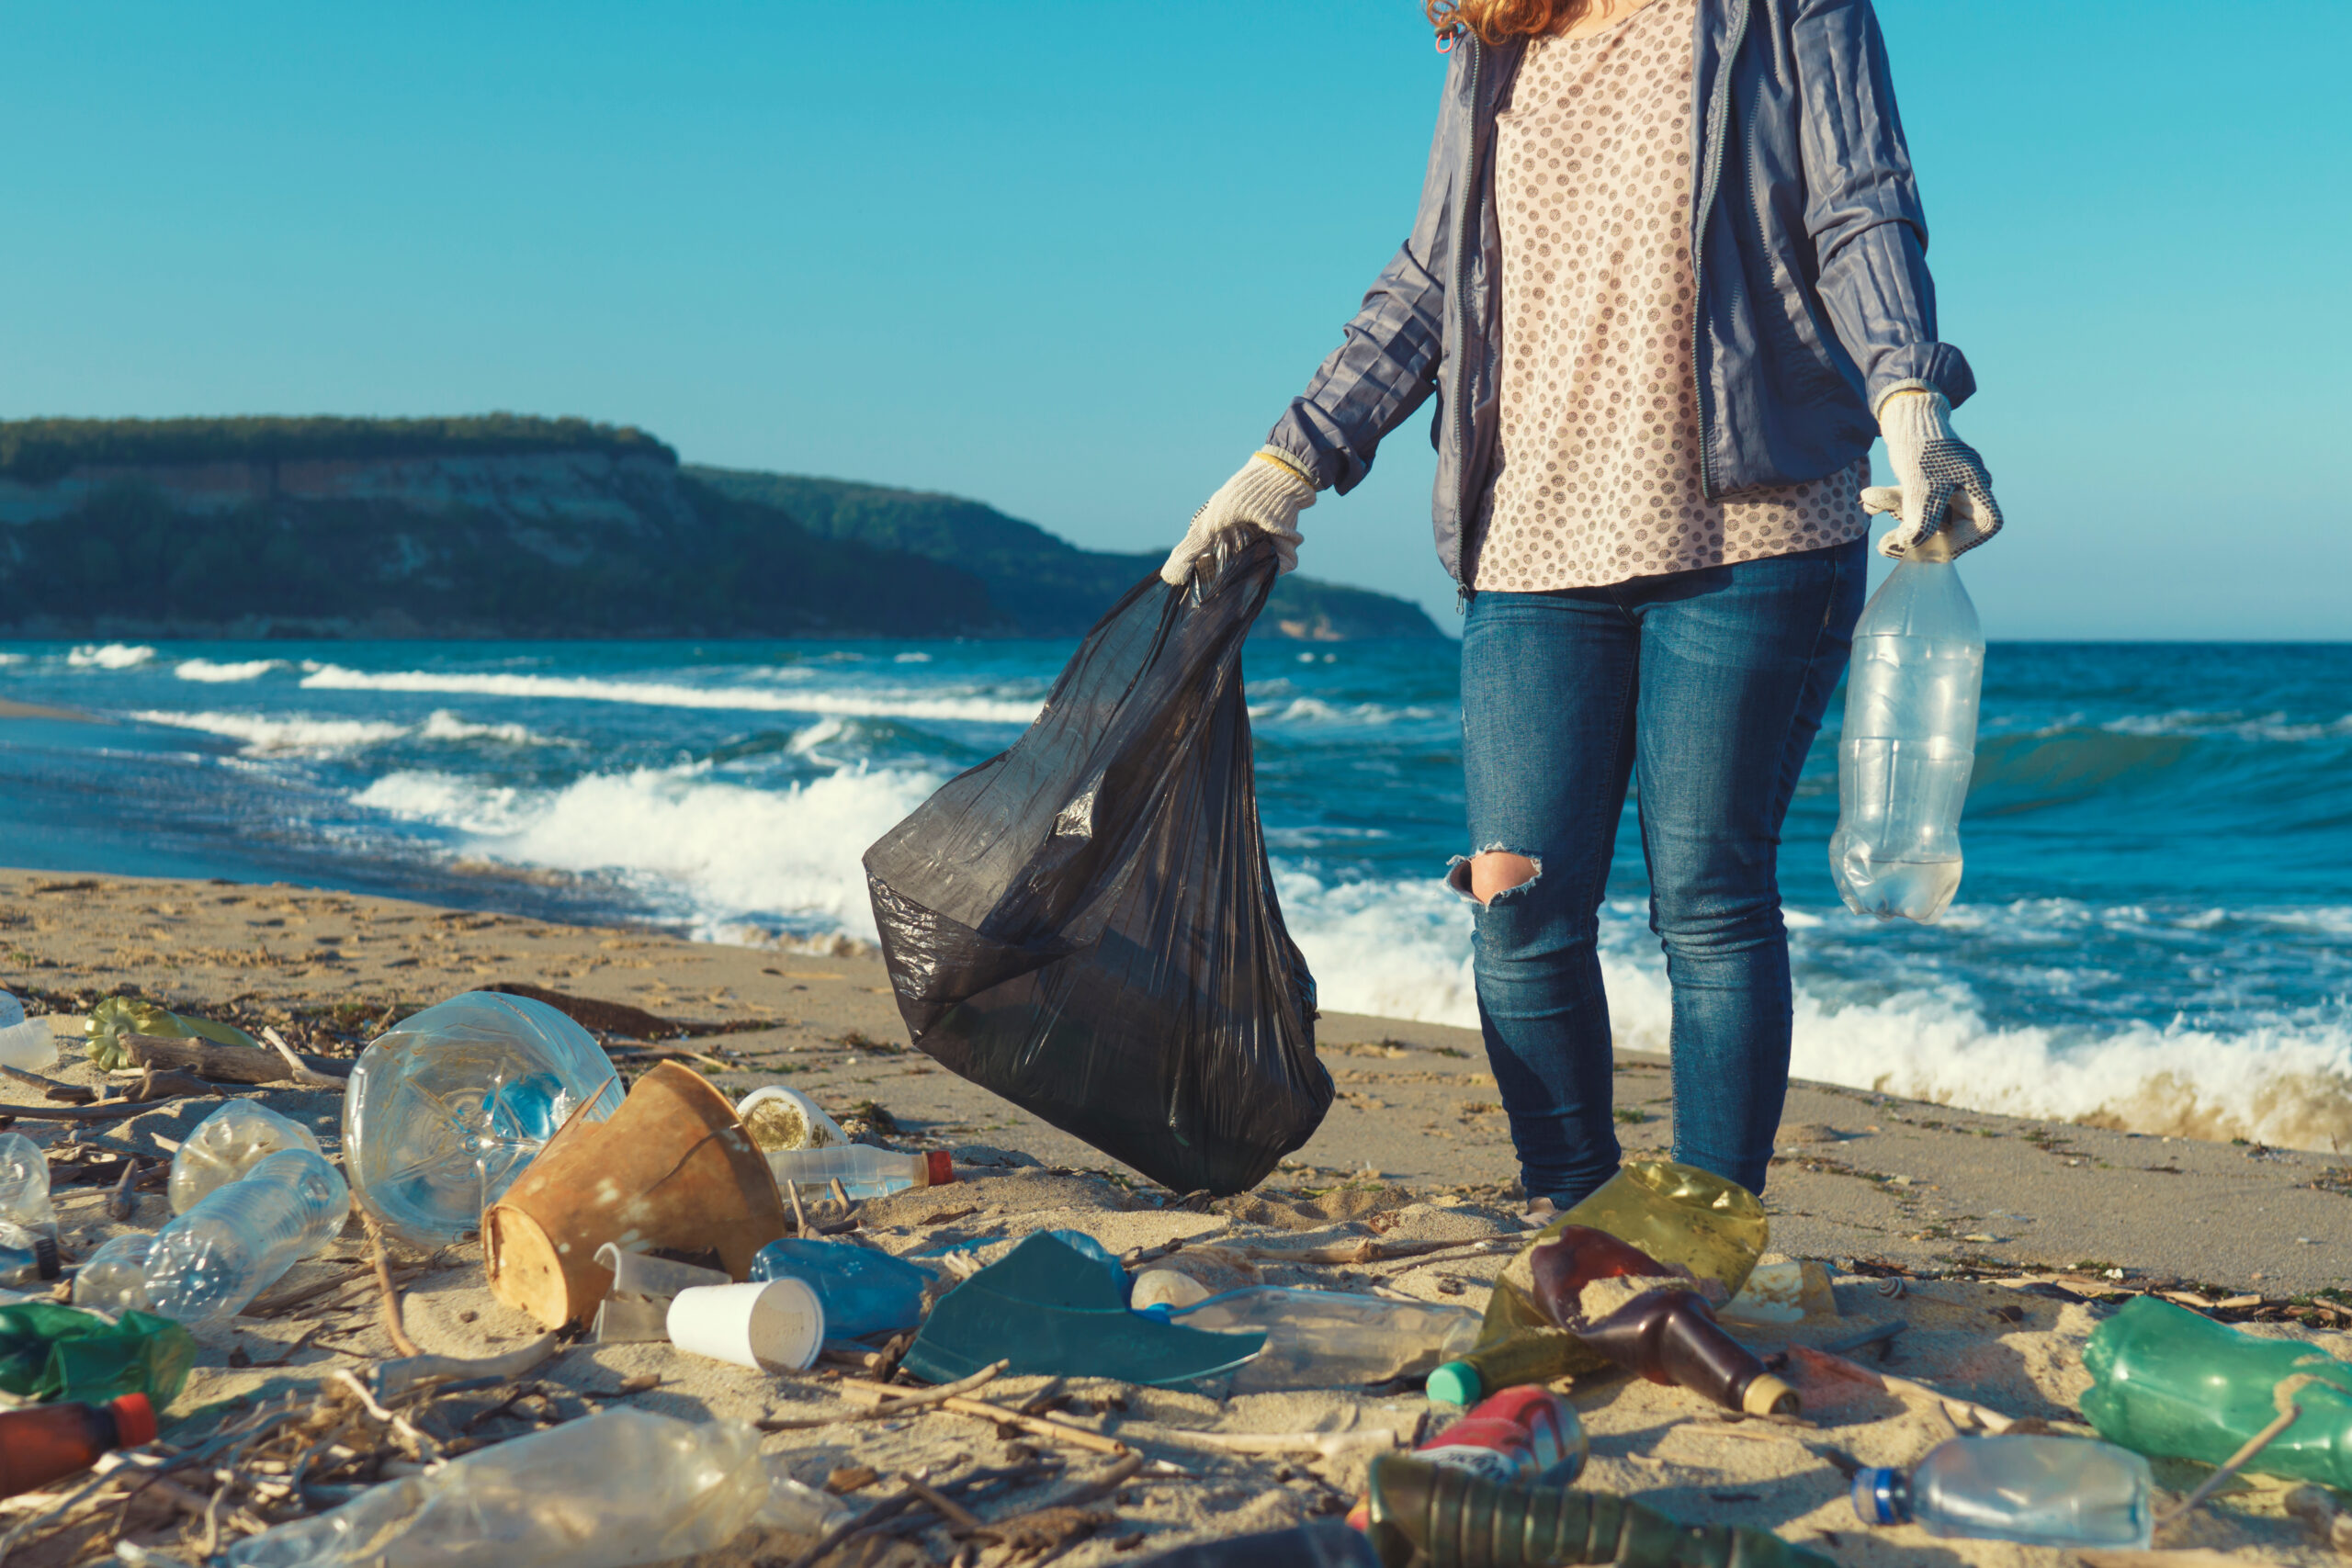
(1806, 239)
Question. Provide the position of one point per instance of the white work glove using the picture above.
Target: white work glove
(1941, 482)
(1268, 494)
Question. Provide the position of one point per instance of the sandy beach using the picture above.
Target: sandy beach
(2012, 1237)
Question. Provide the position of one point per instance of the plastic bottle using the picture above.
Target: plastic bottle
(1909, 741)
(1332, 1338)
(863, 1290)
(615, 1489)
(2040, 1490)
(2174, 1384)
(1529, 1356)
(863, 1171)
(446, 1110)
(227, 1144)
(28, 1218)
(25, 1042)
(50, 1441)
(1171, 1287)
(114, 1279)
(214, 1259)
(780, 1117)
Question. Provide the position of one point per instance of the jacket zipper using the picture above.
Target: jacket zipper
(1467, 210)
(1716, 115)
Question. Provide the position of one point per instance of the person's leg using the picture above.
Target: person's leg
(1547, 699)
(1737, 664)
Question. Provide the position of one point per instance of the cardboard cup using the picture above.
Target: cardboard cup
(775, 1326)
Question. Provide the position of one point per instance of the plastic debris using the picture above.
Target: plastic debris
(25, 1042)
(863, 1171)
(114, 1017)
(49, 1352)
(1085, 924)
(864, 1291)
(1333, 1338)
(780, 1117)
(227, 1144)
(637, 1308)
(771, 1325)
(241, 1239)
(28, 1216)
(2035, 1489)
(1784, 1292)
(49, 1443)
(1171, 1287)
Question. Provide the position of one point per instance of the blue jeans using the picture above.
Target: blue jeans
(1709, 686)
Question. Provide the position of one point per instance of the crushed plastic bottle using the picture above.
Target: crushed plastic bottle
(446, 1110)
(863, 1171)
(612, 1490)
(778, 1116)
(213, 1260)
(2172, 1383)
(27, 1217)
(863, 1290)
(25, 1042)
(227, 1144)
(2037, 1490)
(1332, 1338)
(1908, 742)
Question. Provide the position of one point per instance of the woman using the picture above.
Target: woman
(1668, 281)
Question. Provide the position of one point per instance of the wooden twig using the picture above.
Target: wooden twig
(285, 1300)
(888, 1508)
(394, 1379)
(103, 1110)
(961, 1521)
(390, 1293)
(295, 1068)
(1043, 1425)
(220, 1063)
(912, 1398)
(2232, 1465)
(799, 1220)
(52, 1088)
(1101, 1486)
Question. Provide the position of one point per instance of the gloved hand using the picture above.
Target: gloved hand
(1943, 485)
(1268, 494)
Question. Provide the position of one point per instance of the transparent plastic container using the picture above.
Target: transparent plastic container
(1909, 741)
(863, 1171)
(227, 1144)
(446, 1110)
(213, 1260)
(863, 1290)
(618, 1488)
(780, 1117)
(25, 1042)
(2037, 1490)
(113, 1280)
(1333, 1338)
(28, 1218)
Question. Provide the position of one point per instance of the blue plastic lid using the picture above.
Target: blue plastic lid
(1879, 1496)
(1455, 1383)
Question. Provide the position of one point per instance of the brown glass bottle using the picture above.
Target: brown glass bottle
(1671, 1337)
(1565, 1262)
(46, 1442)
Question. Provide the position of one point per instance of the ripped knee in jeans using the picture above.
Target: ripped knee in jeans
(1495, 871)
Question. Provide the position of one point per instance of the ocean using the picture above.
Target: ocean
(2154, 929)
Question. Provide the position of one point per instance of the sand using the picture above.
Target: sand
(2003, 1226)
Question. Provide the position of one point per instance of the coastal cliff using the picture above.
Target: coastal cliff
(511, 527)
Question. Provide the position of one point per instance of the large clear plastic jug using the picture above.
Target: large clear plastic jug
(1909, 741)
(445, 1110)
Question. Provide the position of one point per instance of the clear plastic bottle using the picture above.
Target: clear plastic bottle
(780, 1117)
(113, 1280)
(25, 1042)
(28, 1218)
(447, 1108)
(214, 1259)
(863, 1290)
(1333, 1338)
(227, 1144)
(863, 1171)
(1909, 741)
(2039, 1490)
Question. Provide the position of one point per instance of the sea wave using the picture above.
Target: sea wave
(205, 670)
(110, 656)
(301, 734)
(659, 694)
(1314, 710)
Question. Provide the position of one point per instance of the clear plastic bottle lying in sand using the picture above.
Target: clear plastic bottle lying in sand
(229, 1143)
(780, 1117)
(27, 1217)
(1333, 1338)
(863, 1171)
(1909, 741)
(2037, 1489)
(25, 1042)
(113, 1280)
(214, 1259)
(448, 1107)
(616, 1489)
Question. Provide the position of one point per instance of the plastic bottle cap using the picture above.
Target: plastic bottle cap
(134, 1420)
(1769, 1396)
(1878, 1497)
(939, 1167)
(1455, 1383)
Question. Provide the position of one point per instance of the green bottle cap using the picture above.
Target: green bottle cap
(1456, 1382)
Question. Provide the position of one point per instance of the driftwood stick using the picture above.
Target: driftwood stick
(881, 1408)
(396, 1378)
(389, 1291)
(299, 1070)
(218, 1063)
(1043, 1425)
(154, 1086)
(53, 1088)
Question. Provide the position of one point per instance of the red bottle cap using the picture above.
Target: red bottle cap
(939, 1167)
(134, 1420)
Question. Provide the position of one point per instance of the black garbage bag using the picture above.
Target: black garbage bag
(1085, 924)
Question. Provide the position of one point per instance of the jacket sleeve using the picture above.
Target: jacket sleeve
(1863, 206)
(1386, 363)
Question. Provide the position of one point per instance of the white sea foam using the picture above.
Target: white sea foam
(1314, 710)
(658, 694)
(443, 725)
(110, 656)
(291, 734)
(2242, 726)
(205, 670)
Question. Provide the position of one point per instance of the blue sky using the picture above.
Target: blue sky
(1072, 259)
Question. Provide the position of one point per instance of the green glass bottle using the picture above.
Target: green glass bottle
(2171, 1383)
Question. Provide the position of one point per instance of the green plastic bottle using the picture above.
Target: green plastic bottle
(2171, 1383)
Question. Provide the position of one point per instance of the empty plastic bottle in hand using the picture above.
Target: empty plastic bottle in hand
(1909, 741)
(23, 1042)
(214, 1259)
(446, 1110)
(863, 1171)
(2041, 1490)
(28, 1218)
(1333, 1339)
(229, 1143)
(863, 1290)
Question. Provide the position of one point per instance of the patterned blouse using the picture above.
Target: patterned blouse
(1599, 478)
